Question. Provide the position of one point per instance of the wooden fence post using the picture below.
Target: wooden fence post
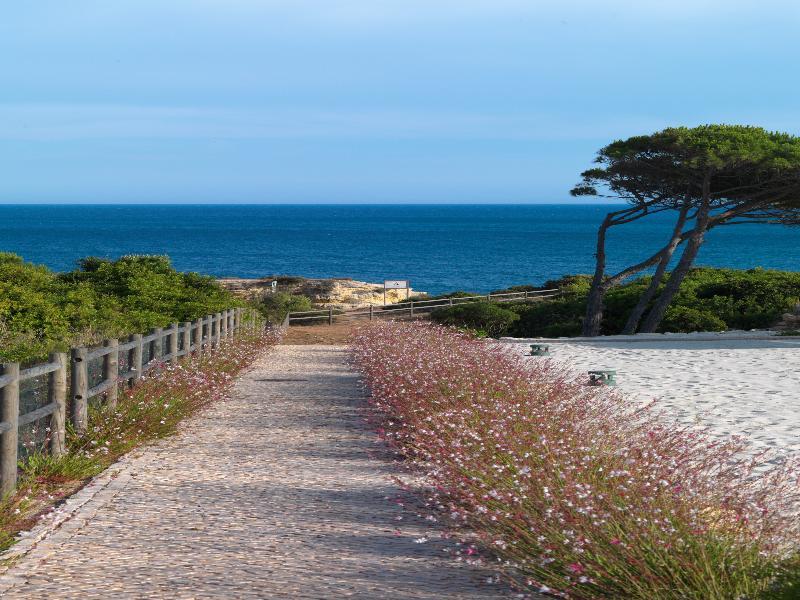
(136, 358)
(173, 344)
(80, 387)
(111, 372)
(157, 345)
(412, 308)
(187, 339)
(451, 302)
(198, 337)
(9, 413)
(370, 312)
(223, 330)
(57, 394)
(330, 316)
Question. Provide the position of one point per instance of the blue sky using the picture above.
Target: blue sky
(367, 101)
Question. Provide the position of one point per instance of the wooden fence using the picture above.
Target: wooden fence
(68, 378)
(415, 308)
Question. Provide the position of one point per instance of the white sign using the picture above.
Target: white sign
(395, 284)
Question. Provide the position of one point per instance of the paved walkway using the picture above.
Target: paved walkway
(273, 494)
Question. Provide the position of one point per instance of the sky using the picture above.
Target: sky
(370, 101)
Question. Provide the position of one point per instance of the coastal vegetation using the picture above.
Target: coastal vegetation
(708, 176)
(275, 307)
(572, 489)
(42, 311)
(708, 299)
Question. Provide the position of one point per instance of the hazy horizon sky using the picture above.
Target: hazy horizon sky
(302, 101)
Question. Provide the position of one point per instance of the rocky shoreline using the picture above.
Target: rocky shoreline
(330, 292)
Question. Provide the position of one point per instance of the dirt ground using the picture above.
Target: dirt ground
(302, 335)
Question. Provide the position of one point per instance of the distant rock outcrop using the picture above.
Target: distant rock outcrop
(335, 292)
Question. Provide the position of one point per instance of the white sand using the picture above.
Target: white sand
(734, 384)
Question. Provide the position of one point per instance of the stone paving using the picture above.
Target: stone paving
(276, 493)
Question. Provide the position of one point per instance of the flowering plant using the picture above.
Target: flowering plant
(574, 489)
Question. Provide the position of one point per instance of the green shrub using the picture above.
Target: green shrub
(275, 307)
(709, 299)
(548, 318)
(41, 311)
(483, 316)
(684, 318)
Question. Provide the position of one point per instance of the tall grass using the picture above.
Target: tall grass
(575, 490)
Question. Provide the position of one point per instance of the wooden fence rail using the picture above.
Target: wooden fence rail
(417, 307)
(68, 378)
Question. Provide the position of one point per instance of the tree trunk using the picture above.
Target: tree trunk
(594, 303)
(656, 314)
(636, 314)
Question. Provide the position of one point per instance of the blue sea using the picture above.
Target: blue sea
(437, 247)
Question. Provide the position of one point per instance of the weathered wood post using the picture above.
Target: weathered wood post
(526, 294)
(412, 308)
(451, 302)
(57, 394)
(187, 339)
(198, 337)
(80, 387)
(223, 322)
(213, 330)
(111, 372)
(370, 312)
(9, 439)
(173, 344)
(157, 344)
(136, 358)
(330, 316)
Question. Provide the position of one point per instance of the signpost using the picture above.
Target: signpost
(395, 284)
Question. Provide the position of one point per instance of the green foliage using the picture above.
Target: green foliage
(685, 318)
(41, 311)
(708, 300)
(549, 318)
(486, 317)
(741, 162)
(275, 307)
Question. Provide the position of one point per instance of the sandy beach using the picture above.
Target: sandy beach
(743, 383)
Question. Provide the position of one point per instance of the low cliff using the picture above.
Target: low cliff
(335, 293)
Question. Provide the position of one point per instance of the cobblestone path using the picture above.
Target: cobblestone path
(275, 493)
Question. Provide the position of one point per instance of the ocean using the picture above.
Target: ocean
(437, 248)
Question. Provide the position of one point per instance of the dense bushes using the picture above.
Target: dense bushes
(708, 300)
(275, 307)
(572, 488)
(41, 311)
(484, 317)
